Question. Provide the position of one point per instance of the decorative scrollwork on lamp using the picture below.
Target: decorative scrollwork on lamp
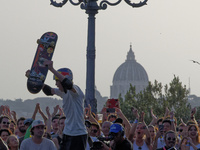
(103, 4)
(54, 3)
(140, 4)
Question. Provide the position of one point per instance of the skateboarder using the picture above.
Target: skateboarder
(74, 133)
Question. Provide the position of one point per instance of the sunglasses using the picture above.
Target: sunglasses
(171, 139)
(95, 131)
(6, 123)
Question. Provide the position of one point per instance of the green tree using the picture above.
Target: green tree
(157, 97)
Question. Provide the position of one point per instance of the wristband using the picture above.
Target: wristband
(136, 121)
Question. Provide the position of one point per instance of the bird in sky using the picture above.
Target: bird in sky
(195, 62)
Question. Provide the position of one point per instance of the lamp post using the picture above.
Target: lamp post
(91, 7)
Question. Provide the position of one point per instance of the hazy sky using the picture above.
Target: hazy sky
(165, 36)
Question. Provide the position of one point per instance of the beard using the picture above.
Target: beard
(22, 130)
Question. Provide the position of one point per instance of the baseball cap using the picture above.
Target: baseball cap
(115, 128)
(29, 120)
(37, 123)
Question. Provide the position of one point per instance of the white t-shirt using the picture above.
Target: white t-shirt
(46, 144)
(73, 107)
(161, 142)
(144, 146)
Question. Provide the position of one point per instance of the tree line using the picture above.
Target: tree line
(158, 97)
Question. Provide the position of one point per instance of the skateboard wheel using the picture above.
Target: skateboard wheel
(38, 41)
(52, 44)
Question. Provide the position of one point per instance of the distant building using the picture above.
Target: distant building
(100, 100)
(129, 72)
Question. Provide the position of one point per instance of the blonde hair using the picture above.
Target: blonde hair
(198, 133)
(8, 139)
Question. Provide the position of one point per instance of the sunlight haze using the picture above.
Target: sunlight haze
(165, 36)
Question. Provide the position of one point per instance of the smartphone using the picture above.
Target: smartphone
(111, 103)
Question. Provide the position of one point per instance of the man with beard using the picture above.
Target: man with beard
(21, 128)
(118, 142)
(37, 141)
(170, 141)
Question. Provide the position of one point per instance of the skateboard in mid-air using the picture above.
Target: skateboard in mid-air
(38, 72)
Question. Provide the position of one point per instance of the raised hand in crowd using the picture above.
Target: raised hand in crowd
(48, 123)
(56, 108)
(90, 115)
(166, 112)
(14, 116)
(125, 123)
(154, 118)
(61, 113)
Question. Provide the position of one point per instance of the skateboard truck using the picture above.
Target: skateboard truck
(52, 44)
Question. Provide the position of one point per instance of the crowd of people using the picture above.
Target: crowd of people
(75, 127)
(112, 132)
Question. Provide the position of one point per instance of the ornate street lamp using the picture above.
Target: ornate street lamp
(92, 7)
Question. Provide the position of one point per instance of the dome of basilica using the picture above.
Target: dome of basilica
(129, 72)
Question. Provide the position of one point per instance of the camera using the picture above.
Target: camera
(109, 138)
(96, 146)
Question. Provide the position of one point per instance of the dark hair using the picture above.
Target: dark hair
(190, 123)
(5, 130)
(20, 119)
(159, 120)
(166, 120)
(112, 116)
(2, 117)
(55, 117)
(63, 117)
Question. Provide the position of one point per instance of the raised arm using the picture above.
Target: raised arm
(48, 122)
(55, 110)
(146, 130)
(154, 118)
(90, 116)
(14, 116)
(133, 128)
(42, 114)
(35, 111)
(192, 114)
(166, 112)
(173, 126)
(125, 121)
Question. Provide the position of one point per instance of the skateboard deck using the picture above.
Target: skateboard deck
(38, 72)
